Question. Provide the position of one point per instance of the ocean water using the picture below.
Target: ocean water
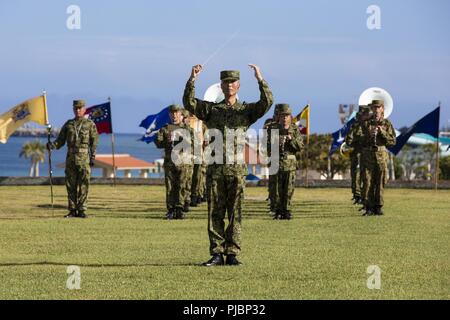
(13, 166)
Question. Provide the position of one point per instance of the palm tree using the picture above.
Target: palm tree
(35, 151)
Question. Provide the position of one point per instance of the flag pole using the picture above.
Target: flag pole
(112, 145)
(307, 147)
(49, 131)
(436, 171)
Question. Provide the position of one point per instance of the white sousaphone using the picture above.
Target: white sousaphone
(365, 99)
(214, 94)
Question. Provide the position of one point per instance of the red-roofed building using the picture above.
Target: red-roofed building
(126, 163)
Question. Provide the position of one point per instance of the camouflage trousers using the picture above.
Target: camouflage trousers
(198, 183)
(355, 174)
(77, 185)
(374, 173)
(285, 182)
(187, 183)
(225, 196)
(273, 192)
(175, 180)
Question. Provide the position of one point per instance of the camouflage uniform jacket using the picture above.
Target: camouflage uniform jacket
(81, 137)
(288, 150)
(222, 117)
(165, 139)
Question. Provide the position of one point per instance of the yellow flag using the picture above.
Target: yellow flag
(34, 109)
(302, 121)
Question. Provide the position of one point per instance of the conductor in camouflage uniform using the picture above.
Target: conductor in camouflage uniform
(269, 124)
(81, 137)
(175, 174)
(291, 143)
(226, 181)
(377, 135)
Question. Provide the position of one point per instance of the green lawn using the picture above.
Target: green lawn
(125, 250)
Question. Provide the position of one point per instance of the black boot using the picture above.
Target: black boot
(71, 214)
(179, 214)
(356, 200)
(232, 261)
(82, 214)
(170, 214)
(368, 211)
(277, 215)
(216, 260)
(194, 201)
(378, 211)
(286, 215)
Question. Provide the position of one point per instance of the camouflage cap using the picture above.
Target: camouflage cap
(175, 107)
(376, 103)
(363, 109)
(228, 75)
(283, 108)
(79, 103)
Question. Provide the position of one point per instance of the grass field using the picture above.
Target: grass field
(125, 250)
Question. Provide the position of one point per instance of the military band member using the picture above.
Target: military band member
(377, 135)
(269, 124)
(81, 137)
(290, 143)
(189, 167)
(355, 154)
(175, 173)
(226, 181)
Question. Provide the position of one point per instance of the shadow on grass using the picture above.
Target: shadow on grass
(98, 265)
(49, 206)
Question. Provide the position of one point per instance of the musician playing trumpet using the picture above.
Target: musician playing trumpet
(377, 134)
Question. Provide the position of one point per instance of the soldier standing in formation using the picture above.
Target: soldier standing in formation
(226, 181)
(269, 124)
(374, 135)
(355, 154)
(81, 137)
(175, 173)
(199, 172)
(290, 144)
(189, 167)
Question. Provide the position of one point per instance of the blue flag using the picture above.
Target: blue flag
(339, 136)
(153, 123)
(428, 124)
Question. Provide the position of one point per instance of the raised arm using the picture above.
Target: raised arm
(257, 109)
(199, 108)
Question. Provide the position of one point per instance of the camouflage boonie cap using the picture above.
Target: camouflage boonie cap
(175, 107)
(228, 75)
(79, 103)
(376, 103)
(283, 108)
(277, 108)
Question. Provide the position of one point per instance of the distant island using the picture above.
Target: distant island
(29, 130)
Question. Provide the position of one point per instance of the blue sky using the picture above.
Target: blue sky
(140, 53)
